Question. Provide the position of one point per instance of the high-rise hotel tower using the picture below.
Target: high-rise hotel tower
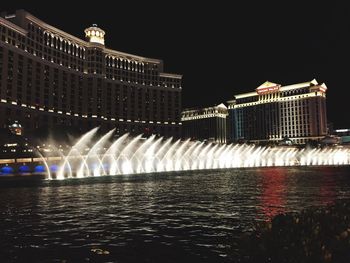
(273, 112)
(50, 78)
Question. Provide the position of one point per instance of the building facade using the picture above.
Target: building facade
(50, 78)
(343, 134)
(205, 124)
(273, 112)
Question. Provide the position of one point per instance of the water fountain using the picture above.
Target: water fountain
(133, 155)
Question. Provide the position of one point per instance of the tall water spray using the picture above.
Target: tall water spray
(132, 155)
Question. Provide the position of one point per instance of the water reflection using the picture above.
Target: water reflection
(192, 216)
(273, 192)
(327, 186)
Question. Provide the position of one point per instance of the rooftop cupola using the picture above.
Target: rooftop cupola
(95, 34)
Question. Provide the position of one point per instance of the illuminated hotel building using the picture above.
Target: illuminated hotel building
(273, 112)
(205, 124)
(50, 78)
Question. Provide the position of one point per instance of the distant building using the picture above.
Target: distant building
(50, 78)
(273, 112)
(344, 135)
(205, 123)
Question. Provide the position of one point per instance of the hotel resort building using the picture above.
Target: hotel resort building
(205, 123)
(273, 112)
(50, 78)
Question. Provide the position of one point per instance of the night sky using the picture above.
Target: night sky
(223, 50)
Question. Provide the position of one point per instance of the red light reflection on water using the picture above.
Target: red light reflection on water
(273, 193)
(274, 190)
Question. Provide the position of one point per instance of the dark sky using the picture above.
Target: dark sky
(223, 50)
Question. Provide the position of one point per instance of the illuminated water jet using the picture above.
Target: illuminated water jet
(133, 155)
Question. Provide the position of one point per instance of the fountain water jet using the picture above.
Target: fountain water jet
(93, 154)
(78, 147)
(129, 155)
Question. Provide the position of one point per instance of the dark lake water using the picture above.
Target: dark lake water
(175, 217)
